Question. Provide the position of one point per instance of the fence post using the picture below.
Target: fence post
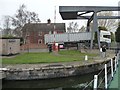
(112, 68)
(115, 64)
(95, 81)
(117, 58)
(105, 76)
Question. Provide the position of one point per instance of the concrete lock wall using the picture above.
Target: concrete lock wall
(10, 46)
(52, 72)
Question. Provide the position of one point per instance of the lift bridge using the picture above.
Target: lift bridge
(79, 12)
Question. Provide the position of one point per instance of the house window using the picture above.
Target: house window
(106, 36)
(54, 32)
(24, 41)
(39, 33)
(39, 41)
(27, 34)
(50, 32)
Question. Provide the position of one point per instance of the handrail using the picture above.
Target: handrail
(88, 84)
(113, 66)
(107, 81)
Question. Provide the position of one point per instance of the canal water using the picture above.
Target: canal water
(68, 83)
(77, 82)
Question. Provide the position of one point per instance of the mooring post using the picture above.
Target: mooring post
(105, 76)
(95, 82)
(112, 68)
(86, 57)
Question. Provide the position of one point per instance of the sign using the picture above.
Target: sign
(12, 40)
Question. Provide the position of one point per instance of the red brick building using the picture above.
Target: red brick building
(33, 33)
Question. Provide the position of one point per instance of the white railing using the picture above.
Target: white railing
(105, 80)
(112, 69)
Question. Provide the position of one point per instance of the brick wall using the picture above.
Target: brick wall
(35, 40)
(33, 46)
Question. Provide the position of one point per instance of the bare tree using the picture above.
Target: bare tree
(75, 27)
(82, 29)
(110, 24)
(72, 27)
(7, 25)
(69, 28)
(22, 17)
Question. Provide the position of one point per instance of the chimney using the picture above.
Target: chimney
(49, 21)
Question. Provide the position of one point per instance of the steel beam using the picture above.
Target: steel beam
(84, 13)
(75, 16)
(88, 22)
(100, 17)
(71, 12)
(87, 8)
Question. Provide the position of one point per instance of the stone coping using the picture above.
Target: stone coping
(28, 67)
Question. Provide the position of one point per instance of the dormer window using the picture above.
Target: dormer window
(39, 33)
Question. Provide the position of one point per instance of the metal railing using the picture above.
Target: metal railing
(108, 75)
(107, 79)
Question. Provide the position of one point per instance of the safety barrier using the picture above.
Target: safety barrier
(108, 75)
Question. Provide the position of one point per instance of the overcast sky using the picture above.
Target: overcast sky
(45, 8)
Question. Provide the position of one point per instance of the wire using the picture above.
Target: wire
(88, 84)
(104, 77)
(109, 70)
(100, 72)
(110, 78)
(101, 82)
(102, 69)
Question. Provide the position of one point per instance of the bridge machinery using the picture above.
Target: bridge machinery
(73, 13)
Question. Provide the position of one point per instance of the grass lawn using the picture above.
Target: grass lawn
(32, 58)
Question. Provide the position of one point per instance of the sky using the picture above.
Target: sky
(46, 8)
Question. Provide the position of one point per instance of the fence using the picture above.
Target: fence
(104, 81)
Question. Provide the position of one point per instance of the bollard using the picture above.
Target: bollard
(95, 82)
(112, 68)
(105, 76)
(86, 57)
